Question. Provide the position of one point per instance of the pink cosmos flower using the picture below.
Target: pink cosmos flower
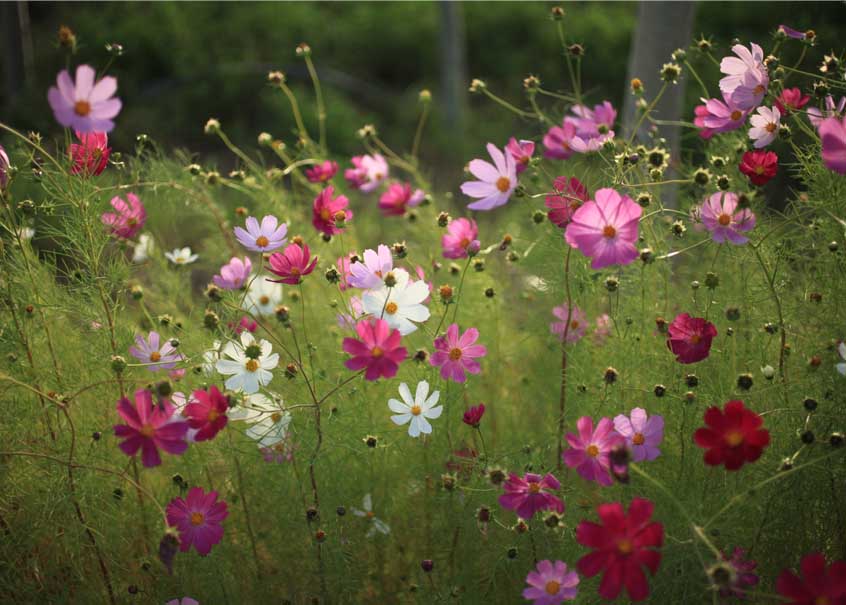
(791, 99)
(744, 579)
(643, 434)
(328, 213)
(378, 349)
(292, 264)
(522, 152)
(833, 135)
(689, 338)
(577, 319)
(347, 321)
(530, 494)
(368, 172)
(91, 155)
(557, 141)
(589, 450)
(207, 413)
(765, 123)
(551, 584)
(816, 115)
(603, 328)
(473, 415)
(198, 519)
(128, 218)
(160, 355)
(245, 324)
(496, 182)
(720, 216)
(322, 173)
(605, 229)
(818, 584)
(268, 236)
(746, 79)
(721, 116)
(399, 198)
(149, 427)
(370, 273)
(792, 33)
(84, 105)
(461, 239)
(569, 197)
(343, 265)
(456, 353)
(233, 274)
(701, 112)
(4, 168)
(596, 122)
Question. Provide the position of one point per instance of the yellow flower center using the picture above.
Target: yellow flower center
(592, 451)
(734, 438)
(695, 339)
(770, 127)
(262, 241)
(534, 487)
(376, 352)
(455, 354)
(415, 410)
(147, 431)
(503, 183)
(324, 214)
(609, 231)
(213, 415)
(252, 365)
(464, 242)
(735, 115)
(823, 600)
(638, 439)
(82, 108)
(759, 169)
(155, 356)
(625, 546)
(759, 89)
(295, 270)
(391, 308)
(276, 417)
(264, 300)
(370, 514)
(574, 324)
(197, 518)
(552, 587)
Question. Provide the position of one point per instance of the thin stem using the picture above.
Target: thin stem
(418, 134)
(321, 108)
(647, 111)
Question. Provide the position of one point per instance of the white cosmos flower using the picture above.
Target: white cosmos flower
(268, 418)
(211, 357)
(181, 256)
(841, 367)
(143, 249)
(263, 296)
(180, 401)
(26, 233)
(399, 305)
(248, 364)
(414, 411)
(376, 525)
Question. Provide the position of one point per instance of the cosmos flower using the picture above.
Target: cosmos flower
(606, 229)
(746, 80)
(151, 350)
(819, 584)
(142, 250)
(366, 511)
(233, 274)
(720, 116)
(603, 328)
(198, 519)
(741, 577)
(461, 239)
(456, 353)
(720, 216)
(263, 296)
(181, 256)
(183, 601)
(759, 166)
(496, 182)
(590, 449)
(206, 413)
(128, 218)
(841, 350)
(689, 338)
(264, 237)
(416, 411)
(149, 427)
(577, 323)
(816, 116)
(292, 264)
(832, 132)
(91, 155)
(328, 214)
(792, 33)
(84, 105)
(473, 415)
(322, 173)
(569, 196)
(732, 436)
(643, 434)
(522, 152)
(4, 168)
(557, 141)
(791, 99)
(245, 323)
(377, 349)
(249, 363)
(370, 272)
(399, 198)
(551, 583)
(765, 123)
(530, 494)
(401, 305)
(367, 173)
(268, 419)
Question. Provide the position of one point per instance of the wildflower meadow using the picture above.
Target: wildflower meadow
(593, 369)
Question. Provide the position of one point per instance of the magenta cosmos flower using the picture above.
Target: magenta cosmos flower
(198, 519)
(292, 264)
(128, 218)
(816, 115)
(91, 155)
(819, 583)
(720, 216)
(556, 141)
(455, 353)
(207, 413)
(792, 33)
(378, 349)
(643, 434)
(570, 195)
(522, 152)
(551, 583)
(369, 273)
(266, 237)
(744, 577)
(689, 338)
(473, 415)
(329, 214)
(84, 105)
(233, 274)
(791, 99)
(719, 116)
(149, 427)
(496, 182)
(530, 494)
(605, 229)
(367, 173)
(746, 79)
(833, 135)
(151, 350)
(461, 239)
(577, 323)
(589, 450)
(322, 173)
(398, 198)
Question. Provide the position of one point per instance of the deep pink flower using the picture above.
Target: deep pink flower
(198, 519)
(398, 198)
(149, 427)
(329, 214)
(746, 80)
(266, 237)
(84, 105)
(246, 323)
(643, 434)
(833, 135)
(4, 168)
(820, 584)
(589, 450)
(623, 545)
(91, 155)
(689, 338)
(456, 353)
(461, 239)
(344, 266)
(732, 436)
(720, 216)
(594, 123)
(551, 584)
(128, 218)
(569, 197)
(233, 274)
(743, 578)
(791, 99)
(496, 182)
(368, 172)
(473, 416)
(605, 229)
(378, 349)
(530, 494)
(759, 166)
(369, 273)
(292, 264)
(816, 115)
(207, 413)
(557, 141)
(577, 323)
(522, 152)
(322, 173)
(151, 350)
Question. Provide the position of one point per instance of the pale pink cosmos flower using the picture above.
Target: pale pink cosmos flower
(577, 323)
(321, 173)
(399, 198)
(765, 123)
(369, 273)
(4, 168)
(606, 229)
(551, 584)
(84, 105)
(589, 451)
(183, 601)
(596, 122)
(720, 216)
(496, 182)
(266, 237)
(128, 218)
(746, 79)
(348, 321)
(233, 274)
(461, 239)
(603, 329)
(368, 172)
(817, 115)
(530, 494)
(151, 350)
(91, 155)
(833, 136)
(522, 152)
(343, 264)
(456, 353)
(643, 434)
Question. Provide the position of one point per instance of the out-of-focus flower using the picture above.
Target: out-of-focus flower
(643, 434)
(401, 304)
(791, 99)
(759, 166)
(577, 323)
(233, 274)
(719, 116)
(91, 155)
(151, 350)
(262, 296)
(142, 250)
(606, 229)
(322, 173)
(183, 601)
(740, 578)
(292, 264)
(816, 115)
(368, 172)
(603, 328)
(570, 195)
(473, 416)
(149, 427)
(4, 168)
(689, 338)
(551, 584)
(496, 182)
(328, 212)
(266, 237)
(461, 239)
(732, 436)
(589, 449)
(792, 33)
(765, 123)
(522, 152)
(746, 79)
(366, 511)
(720, 216)
(378, 349)
(369, 273)
(456, 353)
(245, 323)
(181, 256)
(198, 519)
(84, 105)
(530, 494)
(557, 141)
(249, 363)
(416, 411)
(820, 584)
(128, 218)
(399, 198)
(833, 135)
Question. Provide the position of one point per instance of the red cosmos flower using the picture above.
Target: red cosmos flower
(732, 436)
(791, 99)
(821, 586)
(759, 166)
(378, 350)
(570, 195)
(624, 545)
(91, 155)
(473, 416)
(329, 212)
(292, 264)
(207, 412)
(689, 338)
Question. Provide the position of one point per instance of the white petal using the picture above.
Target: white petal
(401, 419)
(367, 503)
(424, 425)
(405, 393)
(434, 412)
(422, 393)
(414, 427)
(398, 406)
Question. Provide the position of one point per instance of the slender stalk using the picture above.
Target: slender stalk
(562, 396)
(321, 108)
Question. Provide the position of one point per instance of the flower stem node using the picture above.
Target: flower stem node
(712, 280)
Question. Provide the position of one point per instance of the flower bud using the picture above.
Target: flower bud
(265, 139)
(276, 77)
(371, 441)
(427, 565)
(557, 13)
(212, 126)
(425, 96)
(612, 283)
(400, 249)
(490, 292)
(744, 381)
(670, 72)
(610, 375)
(421, 355)
(660, 390)
(118, 364)
(637, 86)
(211, 320)
(477, 85)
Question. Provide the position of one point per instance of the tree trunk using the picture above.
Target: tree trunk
(453, 65)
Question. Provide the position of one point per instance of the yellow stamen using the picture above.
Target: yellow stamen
(391, 308)
(592, 451)
(609, 231)
(262, 241)
(734, 438)
(503, 183)
(147, 431)
(155, 356)
(197, 518)
(416, 410)
(252, 365)
(82, 108)
(455, 354)
(376, 352)
(552, 587)
(638, 439)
